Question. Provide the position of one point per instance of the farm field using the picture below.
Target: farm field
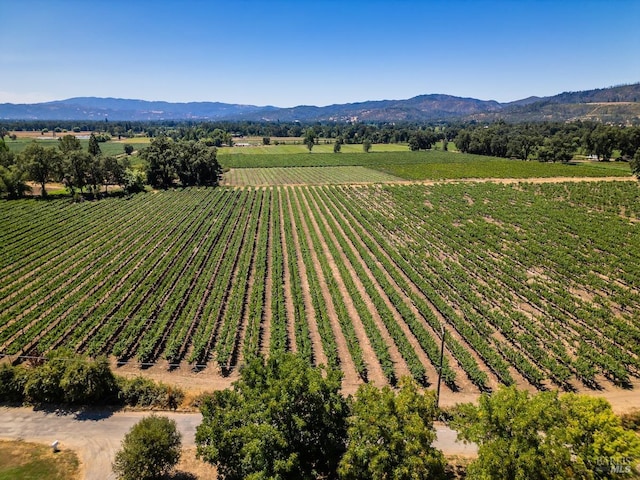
(533, 283)
(424, 165)
(112, 147)
(306, 176)
(319, 159)
(295, 145)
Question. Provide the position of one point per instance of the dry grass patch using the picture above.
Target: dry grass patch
(23, 460)
(191, 468)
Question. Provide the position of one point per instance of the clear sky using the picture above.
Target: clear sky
(288, 52)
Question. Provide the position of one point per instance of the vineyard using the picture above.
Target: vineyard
(306, 176)
(530, 283)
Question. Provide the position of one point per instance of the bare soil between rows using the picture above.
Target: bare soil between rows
(195, 383)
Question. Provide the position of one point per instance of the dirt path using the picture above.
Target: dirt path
(351, 379)
(374, 370)
(319, 355)
(96, 435)
(510, 181)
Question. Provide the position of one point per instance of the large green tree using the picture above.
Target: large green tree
(283, 419)
(189, 162)
(197, 164)
(94, 148)
(13, 175)
(390, 435)
(41, 164)
(629, 141)
(113, 170)
(161, 159)
(310, 137)
(150, 450)
(422, 140)
(545, 436)
(601, 141)
(13, 181)
(69, 143)
(77, 167)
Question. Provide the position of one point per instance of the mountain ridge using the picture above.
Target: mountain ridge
(623, 100)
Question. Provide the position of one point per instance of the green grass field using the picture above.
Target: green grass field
(321, 148)
(430, 165)
(107, 148)
(497, 169)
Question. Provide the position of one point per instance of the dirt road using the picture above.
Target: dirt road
(96, 435)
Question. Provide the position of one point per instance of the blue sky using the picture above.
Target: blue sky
(288, 52)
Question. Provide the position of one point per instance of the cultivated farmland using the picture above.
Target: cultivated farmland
(532, 283)
(306, 176)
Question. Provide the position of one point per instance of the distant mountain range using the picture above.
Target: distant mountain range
(614, 104)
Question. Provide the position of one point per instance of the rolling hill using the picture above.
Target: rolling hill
(614, 104)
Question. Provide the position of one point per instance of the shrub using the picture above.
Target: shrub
(66, 377)
(133, 181)
(631, 420)
(149, 450)
(144, 392)
(70, 378)
(85, 381)
(43, 382)
(12, 381)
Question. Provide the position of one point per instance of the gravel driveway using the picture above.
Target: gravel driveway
(96, 435)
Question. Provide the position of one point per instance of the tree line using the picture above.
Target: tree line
(81, 171)
(188, 162)
(168, 163)
(284, 419)
(495, 138)
(64, 377)
(224, 131)
(549, 141)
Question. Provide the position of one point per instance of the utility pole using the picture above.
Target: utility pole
(440, 369)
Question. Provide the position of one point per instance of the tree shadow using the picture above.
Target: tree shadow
(179, 475)
(455, 471)
(78, 413)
